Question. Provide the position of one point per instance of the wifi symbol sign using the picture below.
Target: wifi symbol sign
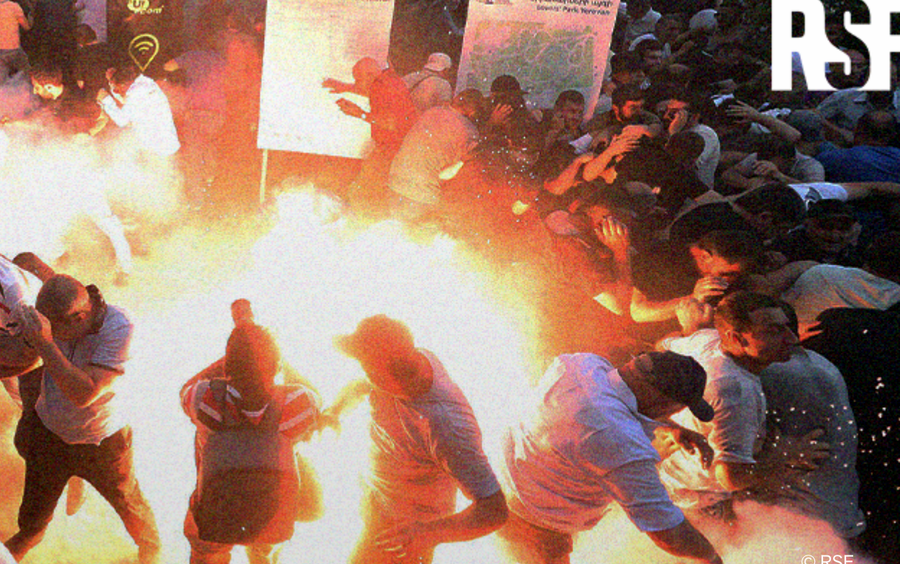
(143, 49)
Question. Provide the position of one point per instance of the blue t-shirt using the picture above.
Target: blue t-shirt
(864, 163)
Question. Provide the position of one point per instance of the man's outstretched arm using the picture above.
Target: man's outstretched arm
(482, 517)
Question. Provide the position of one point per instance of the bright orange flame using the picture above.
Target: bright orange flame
(310, 277)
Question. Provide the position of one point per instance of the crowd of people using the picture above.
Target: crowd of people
(176, 118)
(718, 268)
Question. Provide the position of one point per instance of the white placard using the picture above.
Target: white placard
(306, 42)
(548, 45)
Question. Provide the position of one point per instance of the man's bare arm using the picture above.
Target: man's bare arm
(685, 540)
(482, 517)
(81, 386)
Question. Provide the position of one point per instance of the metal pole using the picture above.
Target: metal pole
(262, 176)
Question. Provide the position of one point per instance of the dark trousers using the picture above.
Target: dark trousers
(109, 467)
(206, 552)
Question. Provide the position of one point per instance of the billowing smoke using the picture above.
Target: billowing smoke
(310, 276)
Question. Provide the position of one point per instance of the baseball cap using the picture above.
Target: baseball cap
(438, 62)
(376, 335)
(678, 377)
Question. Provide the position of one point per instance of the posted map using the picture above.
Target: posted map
(548, 45)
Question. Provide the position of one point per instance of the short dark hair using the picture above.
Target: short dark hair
(567, 96)
(469, 99)
(47, 74)
(735, 308)
(625, 62)
(791, 314)
(780, 200)
(85, 34)
(829, 207)
(772, 146)
(627, 93)
(685, 146)
(878, 125)
(698, 103)
(124, 74)
(733, 246)
(58, 294)
(647, 45)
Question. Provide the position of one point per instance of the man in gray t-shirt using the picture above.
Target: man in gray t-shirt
(441, 137)
(74, 429)
(426, 445)
(804, 394)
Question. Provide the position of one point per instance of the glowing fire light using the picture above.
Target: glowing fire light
(311, 276)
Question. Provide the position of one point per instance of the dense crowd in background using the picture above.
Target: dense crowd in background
(694, 211)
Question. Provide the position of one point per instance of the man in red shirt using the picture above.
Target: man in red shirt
(12, 57)
(391, 114)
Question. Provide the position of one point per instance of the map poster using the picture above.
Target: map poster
(548, 45)
(306, 42)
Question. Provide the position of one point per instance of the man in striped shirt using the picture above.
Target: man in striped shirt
(247, 483)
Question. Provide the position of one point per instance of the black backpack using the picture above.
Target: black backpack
(242, 495)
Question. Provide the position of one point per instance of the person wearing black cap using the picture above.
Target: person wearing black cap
(585, 442)
(426, 444)
(78, 426)
(511, 126)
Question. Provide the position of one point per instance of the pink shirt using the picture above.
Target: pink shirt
(11, 17)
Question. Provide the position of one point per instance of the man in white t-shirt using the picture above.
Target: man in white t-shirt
(776, 161)
(137, 100)
(682, 113)
(752, 332)
(585, 442)
(806, 394)
(828, 286)
(77, 427)
(426, 444)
